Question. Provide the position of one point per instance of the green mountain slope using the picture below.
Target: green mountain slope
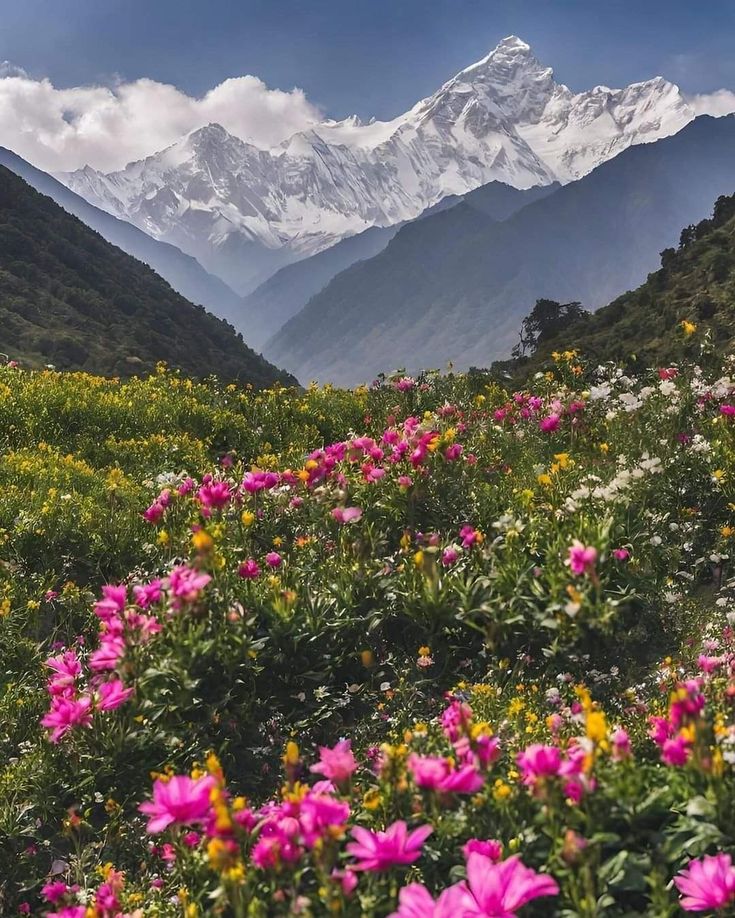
(183, 272)
(69, 298)
(695, 284)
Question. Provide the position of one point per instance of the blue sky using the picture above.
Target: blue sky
(370, 57)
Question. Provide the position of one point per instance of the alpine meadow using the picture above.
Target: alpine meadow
(427, 610)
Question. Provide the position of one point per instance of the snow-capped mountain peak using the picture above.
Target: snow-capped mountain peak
(244, 211)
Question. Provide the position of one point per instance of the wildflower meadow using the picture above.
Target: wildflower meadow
(432, 647)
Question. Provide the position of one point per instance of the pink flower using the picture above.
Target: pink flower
(336, 764)
(54, 891)
(499, 890)
(108, 654)
(707, 884)
(621, 554)
(382, 850)
(415, 901)
(112, 603)
(186, 584)
(146, 594)
(273, 559)
(491, 848)
(346, 514)
(449, 556)
(216, 494)
(428, 770)
(550, 423)
(318, 814)
(469, 536)
(66, 713)
(66, 669)
(154, 513)
(346, 879)
(581, 559)
(620, 745)
(181, 799)
(249, 570)
(727, 410)
(405, 481)
(112, 694)
(538, 761)
(675, 751)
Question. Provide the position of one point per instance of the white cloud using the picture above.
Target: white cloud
(720, 102)
(108, 127)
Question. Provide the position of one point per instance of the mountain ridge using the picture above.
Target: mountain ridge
(244, 211)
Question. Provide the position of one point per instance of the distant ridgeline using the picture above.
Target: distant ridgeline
(645, 327)
(70, 298)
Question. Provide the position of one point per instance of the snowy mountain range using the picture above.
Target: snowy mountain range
(244, 212)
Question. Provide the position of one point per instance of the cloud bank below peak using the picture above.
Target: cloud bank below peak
(107, 127)
(718, 103)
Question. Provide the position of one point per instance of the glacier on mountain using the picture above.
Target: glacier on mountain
(243, 211)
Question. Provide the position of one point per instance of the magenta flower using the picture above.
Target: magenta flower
(54, 891)
(383, 850)
(581, 559)
(499, 890)
(621, 748)
(66, 669)
(273, 559)
(112, 694)
(66, 713)
(621, 554)
(415, 901)
(336, 764)
(181, 799)
(491, 848)
(550, 423)
(249, 569)
(320, 813)
(538, 761)
(214, 495)
(707, 885)
(108, 654)
(154, 513)
(112, 603)
(449, 556)
(186, 584)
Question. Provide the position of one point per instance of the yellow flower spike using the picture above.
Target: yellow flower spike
(291, 756)
(596, 726)
(163, 537)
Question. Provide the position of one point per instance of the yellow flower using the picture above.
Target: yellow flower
(727, 532)
(247, 518)
(688, 328)
(424, 651)
(163, 537)
(596, 726)
(371, 799)
(202, 541)
(501, 790)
